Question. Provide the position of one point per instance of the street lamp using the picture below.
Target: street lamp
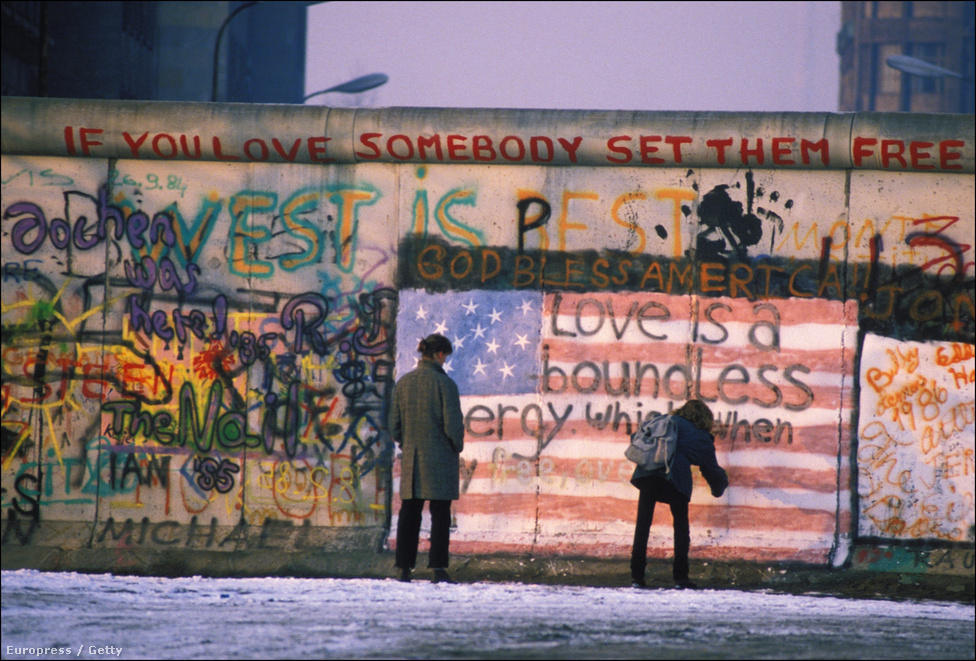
(928, 77)
(355, 85)
(917, 67)
(220, 35)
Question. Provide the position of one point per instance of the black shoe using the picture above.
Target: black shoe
(403, 574)
(685, 584)
(441, 576)
(637, 583)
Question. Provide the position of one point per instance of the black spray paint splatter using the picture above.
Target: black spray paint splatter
(728, 232)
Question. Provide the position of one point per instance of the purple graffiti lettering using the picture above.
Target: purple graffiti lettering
(220, 316)
(293, 316)
(194, 321)
(153, 324)
(162, 227)
(143, 276)
(376, 312)
(214, 475)
(33, 228)
(137, 224)
(34, 222)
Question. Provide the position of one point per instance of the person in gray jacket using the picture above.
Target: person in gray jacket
(426, 422)
(695, 447)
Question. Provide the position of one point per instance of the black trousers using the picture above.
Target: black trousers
(408, 533)
(654, 489)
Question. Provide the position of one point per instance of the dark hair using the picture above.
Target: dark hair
(697, 413)
(434, 344)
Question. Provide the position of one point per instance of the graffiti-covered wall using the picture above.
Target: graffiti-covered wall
(205, 308)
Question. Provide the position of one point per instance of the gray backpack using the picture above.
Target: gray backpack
(652, 445)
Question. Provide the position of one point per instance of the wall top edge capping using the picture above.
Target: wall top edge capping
(247, 133)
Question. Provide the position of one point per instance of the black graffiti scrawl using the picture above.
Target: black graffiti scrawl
(728, 230)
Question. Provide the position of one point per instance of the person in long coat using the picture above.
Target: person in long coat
(695, 446)
(426, 422)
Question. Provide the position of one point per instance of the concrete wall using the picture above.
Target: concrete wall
(205, 307)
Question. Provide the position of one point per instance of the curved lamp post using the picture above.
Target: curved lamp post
(355, 85)
(220, 35)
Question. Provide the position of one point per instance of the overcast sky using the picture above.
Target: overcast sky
(742, 56)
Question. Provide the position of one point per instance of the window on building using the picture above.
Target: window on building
(889, 78)
(928, 9)
(888, 9)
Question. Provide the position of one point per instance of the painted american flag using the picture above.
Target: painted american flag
(552, 385)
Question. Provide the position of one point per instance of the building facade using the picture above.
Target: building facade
(939, 33)
(163, 51)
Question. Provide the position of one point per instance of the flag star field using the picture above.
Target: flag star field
(495, 337)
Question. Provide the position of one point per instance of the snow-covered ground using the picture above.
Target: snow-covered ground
(68, 615)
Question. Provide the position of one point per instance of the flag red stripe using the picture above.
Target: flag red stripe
(717, 517)
(560, 472)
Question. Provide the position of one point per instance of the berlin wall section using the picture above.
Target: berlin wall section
(201, 326)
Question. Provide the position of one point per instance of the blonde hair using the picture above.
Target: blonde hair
(697, 413)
